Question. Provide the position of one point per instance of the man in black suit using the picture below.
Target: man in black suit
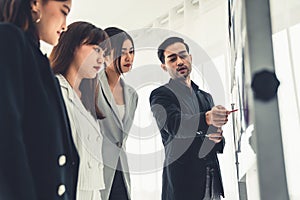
(188, 121)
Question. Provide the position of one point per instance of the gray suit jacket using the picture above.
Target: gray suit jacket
(115, 131)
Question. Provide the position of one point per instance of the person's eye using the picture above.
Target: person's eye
(173, 59)
(183, 55)
(97, 49)
(131, 51)
(64, 12)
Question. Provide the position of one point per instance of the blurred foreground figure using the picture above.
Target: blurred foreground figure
(38, 160)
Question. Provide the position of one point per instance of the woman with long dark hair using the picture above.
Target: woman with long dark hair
(119, 100)
(37, 155)
(76, 60)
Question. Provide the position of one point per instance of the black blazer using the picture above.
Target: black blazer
(182, 130)
(38, 160)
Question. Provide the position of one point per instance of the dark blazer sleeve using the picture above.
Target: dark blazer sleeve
(218, 148)
(15, 176)
(166, 110)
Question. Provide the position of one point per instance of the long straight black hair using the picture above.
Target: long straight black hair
(117, 37)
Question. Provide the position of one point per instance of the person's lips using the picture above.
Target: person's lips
(97, 68)
(179, 69)
(127, 65)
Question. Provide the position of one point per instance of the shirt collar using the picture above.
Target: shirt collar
(181, 87)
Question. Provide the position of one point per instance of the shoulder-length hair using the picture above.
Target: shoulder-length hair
(62, 55)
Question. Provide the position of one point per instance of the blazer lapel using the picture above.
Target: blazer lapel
(105, 89)
(77, 102)
(203, 101)
(128, 100)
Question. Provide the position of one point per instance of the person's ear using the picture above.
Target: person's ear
(35, 9)
(190, 57)
(35, 6)
(163, 66)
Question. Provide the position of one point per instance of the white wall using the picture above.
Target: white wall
(287, 68)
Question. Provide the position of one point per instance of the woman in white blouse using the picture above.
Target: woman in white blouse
(118, 101)
(76, 60)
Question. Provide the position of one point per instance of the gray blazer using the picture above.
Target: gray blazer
(115, 131)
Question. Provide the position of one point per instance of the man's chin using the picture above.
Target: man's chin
(182, 78)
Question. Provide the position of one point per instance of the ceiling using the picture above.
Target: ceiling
(135, 14)
(126, 14)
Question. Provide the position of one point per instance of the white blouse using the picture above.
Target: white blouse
(121, 109)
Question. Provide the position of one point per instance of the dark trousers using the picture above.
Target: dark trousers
(211, 188)
(118, 189)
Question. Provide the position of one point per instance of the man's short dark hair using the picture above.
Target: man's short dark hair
(169, 41)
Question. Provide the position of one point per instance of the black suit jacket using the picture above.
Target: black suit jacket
(38, 160)
(182, 127)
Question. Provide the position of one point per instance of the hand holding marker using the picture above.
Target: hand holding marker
(218, 130)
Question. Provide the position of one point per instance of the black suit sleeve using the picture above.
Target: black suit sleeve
(218, 148)
(15, 176)
(166, 110)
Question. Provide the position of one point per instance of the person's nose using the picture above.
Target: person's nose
(64, 25)
(128, 56)
(179, 61)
